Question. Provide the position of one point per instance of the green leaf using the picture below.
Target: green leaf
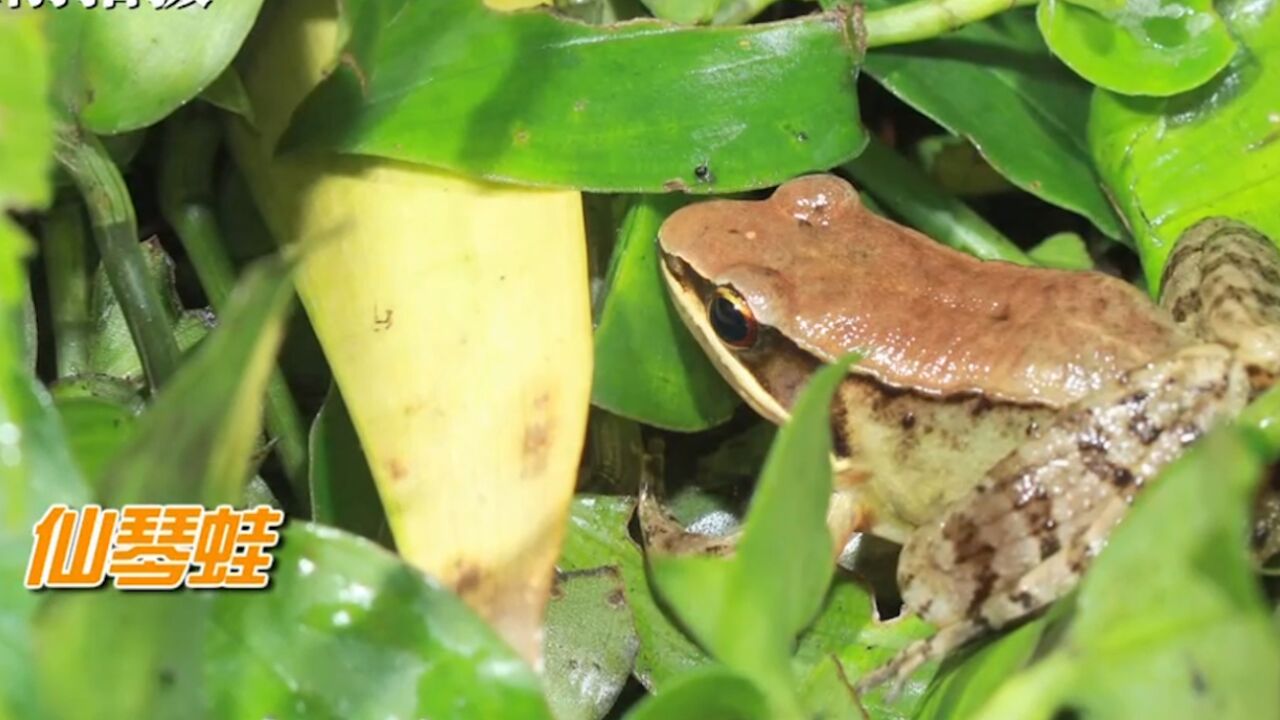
(711, 692)
(349, 631)
(36, 469)
(228, 93)
(963, 688)
(638, 107)
(648, 366)
(194, 443)
(1171, 162)
(1064, 251)
(747, 624)
(99, 414)
(1194, 638)
(1139, 47)
(598, 537)
(343, 493)
(127, 69)
(111, 653)
(590, 643)
(26, 135)
(685, 12)
(995, 84)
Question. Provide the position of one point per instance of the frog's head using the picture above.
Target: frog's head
(751, 279)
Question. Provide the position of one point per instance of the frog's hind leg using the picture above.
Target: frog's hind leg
(1027, 532)
(1222, 284)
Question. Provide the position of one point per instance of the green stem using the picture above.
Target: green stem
(66, 264)
(192, 140)
(924, 19)
(116, 231)
(906, 190)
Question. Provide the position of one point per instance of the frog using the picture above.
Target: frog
(1002, 417)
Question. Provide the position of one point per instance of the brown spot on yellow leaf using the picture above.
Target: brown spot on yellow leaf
(537, 437)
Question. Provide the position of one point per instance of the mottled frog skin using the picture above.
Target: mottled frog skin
(1004, 417)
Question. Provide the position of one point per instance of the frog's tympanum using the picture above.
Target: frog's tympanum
(1002, 417)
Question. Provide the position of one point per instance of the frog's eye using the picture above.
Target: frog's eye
(731, 318)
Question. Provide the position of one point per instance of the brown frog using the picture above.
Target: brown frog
(1003, 417)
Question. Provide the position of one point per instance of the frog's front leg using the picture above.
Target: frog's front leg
(1025, 534)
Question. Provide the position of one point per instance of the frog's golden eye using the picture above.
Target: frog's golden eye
(731, 318)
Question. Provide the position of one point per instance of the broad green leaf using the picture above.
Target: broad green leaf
(1171, 162)
(1186, 635)
(590, 643)
(711, 692)
(641, 106)
(343, 493)
(1138, 47)
(110, 346)
(348, 630)
(598, 537)
(648, 366)
(995, 84)
(194, 443)
(126, 69)
(747, 623)
(1064, 251)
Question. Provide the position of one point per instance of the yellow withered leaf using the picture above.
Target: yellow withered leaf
(455, 315)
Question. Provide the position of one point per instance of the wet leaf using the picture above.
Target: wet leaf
(1225, 136)
(532, 98)
(348, 630)
(1138, 47)
(648, 365)
(591, 643)
(747, 624)
(194, 443)
(119, 71)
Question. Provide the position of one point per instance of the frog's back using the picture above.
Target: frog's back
(813, 262)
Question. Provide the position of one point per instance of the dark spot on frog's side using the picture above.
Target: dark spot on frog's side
(981, 406)
(1049, 545)
(1186, 306)
(1142, 428)
(908, 421)
(985, 581)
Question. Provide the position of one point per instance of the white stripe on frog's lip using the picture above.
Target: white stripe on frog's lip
(694, 314)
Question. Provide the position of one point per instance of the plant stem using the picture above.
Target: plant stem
(116, 231)
(66, 264)
(191, 143)
(924, 19)
(906, 190)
